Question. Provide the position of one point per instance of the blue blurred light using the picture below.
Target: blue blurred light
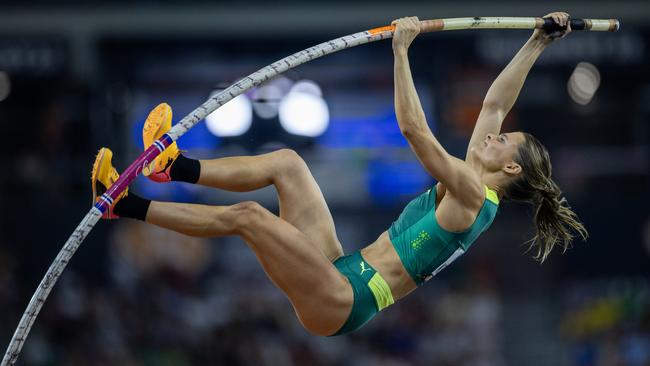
(391, 183)
(370, 132)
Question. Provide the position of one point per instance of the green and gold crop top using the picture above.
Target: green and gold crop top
(423, 246)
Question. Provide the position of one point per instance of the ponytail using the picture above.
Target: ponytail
(555, 222)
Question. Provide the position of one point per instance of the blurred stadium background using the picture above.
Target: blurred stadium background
(78, 75)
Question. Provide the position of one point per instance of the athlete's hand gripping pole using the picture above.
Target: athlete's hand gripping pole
(548, 24)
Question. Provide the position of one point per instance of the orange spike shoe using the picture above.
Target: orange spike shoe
(102, 178)
(157, 124)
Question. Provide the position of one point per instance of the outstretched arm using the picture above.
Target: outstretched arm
(505, 89)
(455, 174)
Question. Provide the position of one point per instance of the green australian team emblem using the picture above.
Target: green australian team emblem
(419, 240)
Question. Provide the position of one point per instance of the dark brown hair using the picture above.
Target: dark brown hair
(555, 221)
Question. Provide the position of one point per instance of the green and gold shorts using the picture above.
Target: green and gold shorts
(371, 292)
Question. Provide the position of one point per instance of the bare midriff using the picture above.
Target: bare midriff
(381, 255)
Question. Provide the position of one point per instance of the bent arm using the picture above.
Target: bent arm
(504, 91)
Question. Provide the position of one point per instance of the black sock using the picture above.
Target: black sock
(132, 206)
(185, 170)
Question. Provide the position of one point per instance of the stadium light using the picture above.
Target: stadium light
(303, 111)
(232, 119)
(583, 83)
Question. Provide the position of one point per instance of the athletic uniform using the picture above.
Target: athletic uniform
(423, 247)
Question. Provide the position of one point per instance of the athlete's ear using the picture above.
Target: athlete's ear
(512, 168)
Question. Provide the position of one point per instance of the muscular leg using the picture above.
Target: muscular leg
(321, 296)
(301, 201)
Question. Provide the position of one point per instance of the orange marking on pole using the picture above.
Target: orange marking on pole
(388, 28)
(432, 25)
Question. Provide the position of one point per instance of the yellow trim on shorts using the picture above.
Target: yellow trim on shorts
(381, 291)
(491, 195)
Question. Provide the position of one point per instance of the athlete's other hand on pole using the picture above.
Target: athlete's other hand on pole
(561, 18)
(406, 29)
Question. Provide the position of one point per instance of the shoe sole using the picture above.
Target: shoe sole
(159, 116)
(152, 125)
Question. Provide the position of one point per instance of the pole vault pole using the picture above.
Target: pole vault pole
(212, 104)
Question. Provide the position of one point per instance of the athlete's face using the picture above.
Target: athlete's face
(497, 152)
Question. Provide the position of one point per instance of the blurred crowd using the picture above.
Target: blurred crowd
(174, 300)
(607, 322)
